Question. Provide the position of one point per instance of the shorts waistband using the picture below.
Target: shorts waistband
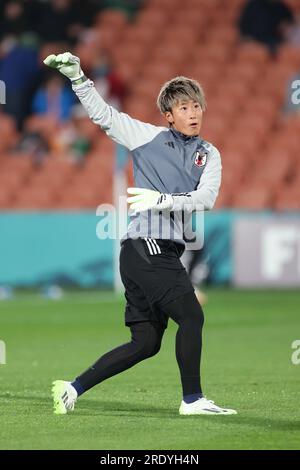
(163, 243)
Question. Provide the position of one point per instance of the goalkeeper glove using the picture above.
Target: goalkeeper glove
(145, 199)
(67, 64)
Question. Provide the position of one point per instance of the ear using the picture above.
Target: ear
(169, 117)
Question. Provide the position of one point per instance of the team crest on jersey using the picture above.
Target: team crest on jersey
(201, 157)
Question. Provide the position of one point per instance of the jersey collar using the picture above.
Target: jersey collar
(181, 136)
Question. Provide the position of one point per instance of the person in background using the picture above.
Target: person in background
(265, 21)
(53, 98)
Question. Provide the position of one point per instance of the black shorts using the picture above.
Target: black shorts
(153, 276)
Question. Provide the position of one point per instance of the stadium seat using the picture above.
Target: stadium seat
(253, 198)
(253, 54)
(289, 55)
(287, 198)
(35, 198)
(141, 34)
(111, 18)
(6, 197)
(130, 53)
(152, 18)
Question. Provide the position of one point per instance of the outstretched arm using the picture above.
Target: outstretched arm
(123, 129)
(203, 198)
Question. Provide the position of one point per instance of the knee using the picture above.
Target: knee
(147, 342)
(153, 348)
(151, 345)
(187, 310)
(195, 317)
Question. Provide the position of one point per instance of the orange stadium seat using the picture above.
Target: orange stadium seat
(50, 179)
(213, 125)
(141, 34)
(241, 146)
(224, 34)
(272, 169)
(6, 197)
(34, 198)
(12, 180)
(18, 162)
(253, 54)
(88, 197)
(262, 106)
(154, 18)
(112, 18)
(224, 197)
(185, 36)
(192, 16)
(90, 178)
(146, 89)
(253, 197)
(289, 55)
(241, 71)
(131, 53)
(163, 5)
(170, 53)
(287, 198)
(142, 109)
(9, 134)
(158, 71)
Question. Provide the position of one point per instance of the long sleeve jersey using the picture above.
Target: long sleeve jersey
(164, 160)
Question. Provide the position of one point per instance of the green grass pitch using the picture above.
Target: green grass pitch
(246, 365)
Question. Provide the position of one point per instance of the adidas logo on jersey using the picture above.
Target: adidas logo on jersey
(170, 144)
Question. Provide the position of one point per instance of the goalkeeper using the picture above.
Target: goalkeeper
(175, 171)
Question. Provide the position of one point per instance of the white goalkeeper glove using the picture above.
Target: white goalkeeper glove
(67, 64)
(145, 199)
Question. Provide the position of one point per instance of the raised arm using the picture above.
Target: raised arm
(123, 129)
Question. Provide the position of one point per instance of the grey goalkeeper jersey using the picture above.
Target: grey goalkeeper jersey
(164, 160)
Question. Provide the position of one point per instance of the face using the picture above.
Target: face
(186, 117)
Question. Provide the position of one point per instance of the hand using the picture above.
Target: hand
(67, 64)
(145, 199)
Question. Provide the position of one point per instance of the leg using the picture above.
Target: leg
(145, 342)
(187, 313)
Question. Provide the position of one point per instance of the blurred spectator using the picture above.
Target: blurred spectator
(108, 82)
(265, 21)
(38, 137)
(12, 19)
(56, 18)
(20, 71)
(75, 138)
(130, 7)
(54, 98)
(84, 12)
(9, 134)
(293, 33)
(35, 144)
